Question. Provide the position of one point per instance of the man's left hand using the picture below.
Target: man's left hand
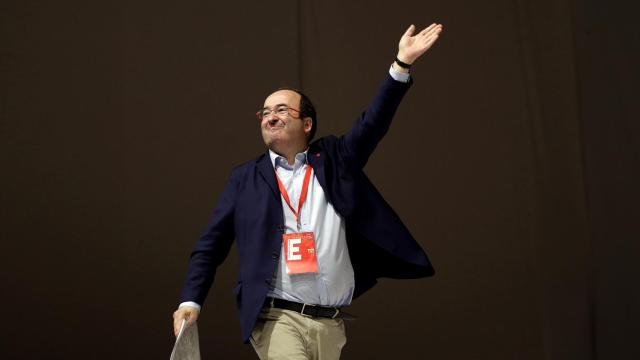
(411, 46)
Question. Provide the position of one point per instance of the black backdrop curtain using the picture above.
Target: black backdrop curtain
(513, 160)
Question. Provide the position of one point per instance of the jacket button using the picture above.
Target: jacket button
(274, 255)
(280, 228)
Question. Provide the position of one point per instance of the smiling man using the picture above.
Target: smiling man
(312, 232)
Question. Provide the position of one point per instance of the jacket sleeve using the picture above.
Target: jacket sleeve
(358, 144)
(212, 248)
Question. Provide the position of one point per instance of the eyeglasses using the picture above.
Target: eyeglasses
(280, 110)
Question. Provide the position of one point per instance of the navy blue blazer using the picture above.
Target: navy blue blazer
(250, 211)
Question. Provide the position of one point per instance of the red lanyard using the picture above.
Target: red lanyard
(303, 195)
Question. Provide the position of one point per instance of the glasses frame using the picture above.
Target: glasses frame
(260, 117)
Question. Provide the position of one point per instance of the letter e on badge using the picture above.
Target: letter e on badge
(293, 251)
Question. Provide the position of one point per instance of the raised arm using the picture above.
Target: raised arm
(359, 143)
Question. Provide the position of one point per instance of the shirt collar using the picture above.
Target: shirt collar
(278, 160)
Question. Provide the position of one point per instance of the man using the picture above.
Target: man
(312, 232)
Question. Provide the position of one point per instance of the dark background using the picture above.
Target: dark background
(514, 161)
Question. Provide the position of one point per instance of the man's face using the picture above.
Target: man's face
(281, 132)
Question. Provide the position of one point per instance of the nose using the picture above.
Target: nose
(271, 116)
(271, 119)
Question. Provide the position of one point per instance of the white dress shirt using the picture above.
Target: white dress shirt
(334, 282)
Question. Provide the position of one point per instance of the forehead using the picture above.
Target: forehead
(288, 97)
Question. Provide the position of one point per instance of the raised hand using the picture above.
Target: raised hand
(411, 46)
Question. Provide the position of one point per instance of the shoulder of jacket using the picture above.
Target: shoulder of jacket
(242, 168)
(323, 143)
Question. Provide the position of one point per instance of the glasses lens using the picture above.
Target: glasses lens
(282, 110)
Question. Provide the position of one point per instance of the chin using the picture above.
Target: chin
(270, 141)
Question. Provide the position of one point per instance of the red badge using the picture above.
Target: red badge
(300, 253)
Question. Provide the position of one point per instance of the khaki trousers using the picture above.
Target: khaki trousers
(284, 334)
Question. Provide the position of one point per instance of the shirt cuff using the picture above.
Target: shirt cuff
(190, 303)
(398, 75)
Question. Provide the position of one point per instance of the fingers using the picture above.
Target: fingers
(433, 29)
(192, 316)
(429, 35)
(410, 30)
(177, 322)
(427, 29)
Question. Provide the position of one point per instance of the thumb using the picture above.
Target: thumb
(410, 30)
(177, 321)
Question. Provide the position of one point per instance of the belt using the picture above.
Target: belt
(307, 309)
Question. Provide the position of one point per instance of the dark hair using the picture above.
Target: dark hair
(306, 109)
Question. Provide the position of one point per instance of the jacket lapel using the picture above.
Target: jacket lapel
(265, 168)
(316, 157)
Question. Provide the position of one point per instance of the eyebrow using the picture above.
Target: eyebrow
(276, 105)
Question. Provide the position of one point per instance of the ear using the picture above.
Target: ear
(308, 124)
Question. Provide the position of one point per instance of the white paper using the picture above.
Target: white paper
(187, 346)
